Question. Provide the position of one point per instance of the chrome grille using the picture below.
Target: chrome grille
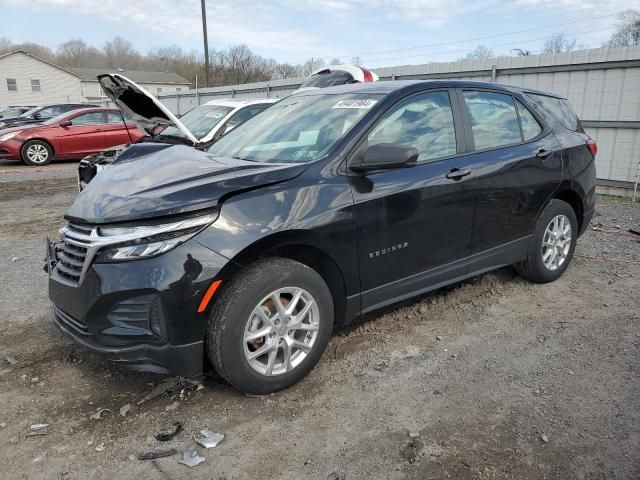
(71, 253)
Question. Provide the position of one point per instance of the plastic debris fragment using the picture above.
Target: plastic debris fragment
(209, 439)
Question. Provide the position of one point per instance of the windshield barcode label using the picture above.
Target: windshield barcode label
(366, 104)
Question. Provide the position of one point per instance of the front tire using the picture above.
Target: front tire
(36, 153)
(270, 326)
(551, 247)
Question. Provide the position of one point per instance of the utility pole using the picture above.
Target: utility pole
(206, 43)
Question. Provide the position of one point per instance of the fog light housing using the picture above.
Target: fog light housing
(141, 315)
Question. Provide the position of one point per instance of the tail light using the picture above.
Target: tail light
(593, 148)
(368, 77)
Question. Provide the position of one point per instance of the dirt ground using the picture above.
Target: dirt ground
(492, 378)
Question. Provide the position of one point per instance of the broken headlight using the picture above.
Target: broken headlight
(143, 241)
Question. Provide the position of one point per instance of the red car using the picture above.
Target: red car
(73, 134)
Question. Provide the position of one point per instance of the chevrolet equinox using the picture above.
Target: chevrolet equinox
(329, 204)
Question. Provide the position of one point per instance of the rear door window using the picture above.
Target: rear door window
(424, 122)
(94, 118)
(530, 126)
(559, 108)
(494, 121)
(114, 117)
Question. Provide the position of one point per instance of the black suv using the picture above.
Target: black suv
(329, 204)
(40, 114)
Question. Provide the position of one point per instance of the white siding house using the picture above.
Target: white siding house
(29, 80)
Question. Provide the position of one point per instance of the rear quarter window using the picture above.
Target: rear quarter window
(559, 108)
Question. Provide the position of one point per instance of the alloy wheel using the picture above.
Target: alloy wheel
(556, 242)
(37, 153)
(281, 331)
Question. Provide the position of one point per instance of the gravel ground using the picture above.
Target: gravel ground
(492, 378)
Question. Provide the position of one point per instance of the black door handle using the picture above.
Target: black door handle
(542, 153)
(457, 174)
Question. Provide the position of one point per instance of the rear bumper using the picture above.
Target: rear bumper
(141, 313)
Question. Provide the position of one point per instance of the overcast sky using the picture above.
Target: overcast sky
(381, 32)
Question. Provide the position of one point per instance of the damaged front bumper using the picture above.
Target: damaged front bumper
(140, 313)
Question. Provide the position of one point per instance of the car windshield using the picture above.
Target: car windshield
(200, 121)
(298, 129)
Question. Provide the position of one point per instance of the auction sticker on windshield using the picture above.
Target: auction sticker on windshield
(366, 104)
(214, 115)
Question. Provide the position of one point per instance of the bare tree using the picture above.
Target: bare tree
(628, 30)
(5, 45)
(480, 53)
(35, 48)
(335, 61)
(558, 43)
(121, 54)
(235, 65)
(285, 70)
(520, 52)
(76, 53)
(311, 65)
(357, 61)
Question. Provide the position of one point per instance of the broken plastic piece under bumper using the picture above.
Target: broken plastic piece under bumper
(181, 360)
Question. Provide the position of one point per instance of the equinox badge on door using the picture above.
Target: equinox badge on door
(391, 249)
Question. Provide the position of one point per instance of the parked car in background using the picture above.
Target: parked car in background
(69, 135)
(199, 127)
(40, 114)
(337, 75)
(332, 203)
(13, 111)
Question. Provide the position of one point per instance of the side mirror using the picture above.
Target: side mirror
(65, 123)
(36, 116)
(386, 155)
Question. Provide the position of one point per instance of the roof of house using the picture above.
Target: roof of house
(89, 74)
(139, 76)
(29, 54)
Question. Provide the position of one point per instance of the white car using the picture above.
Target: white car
(199, 127)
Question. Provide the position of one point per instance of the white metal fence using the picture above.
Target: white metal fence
(602, 84)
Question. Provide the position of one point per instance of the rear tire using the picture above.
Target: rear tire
(36, 153)
(246, 321)
(551, 247)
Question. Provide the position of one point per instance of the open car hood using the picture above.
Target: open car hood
(139, 106)
(170, 180)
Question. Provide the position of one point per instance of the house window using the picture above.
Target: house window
(159, 90)
(12, 86)
(35, 85)
(178, 89)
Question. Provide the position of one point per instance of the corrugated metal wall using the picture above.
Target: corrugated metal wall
(602, 84)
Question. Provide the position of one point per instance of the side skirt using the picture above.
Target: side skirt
(435, 278)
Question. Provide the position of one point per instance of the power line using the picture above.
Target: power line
(472, 39)
(512, 43)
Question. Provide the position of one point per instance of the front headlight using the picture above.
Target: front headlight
(7, 136)
(130, 243)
